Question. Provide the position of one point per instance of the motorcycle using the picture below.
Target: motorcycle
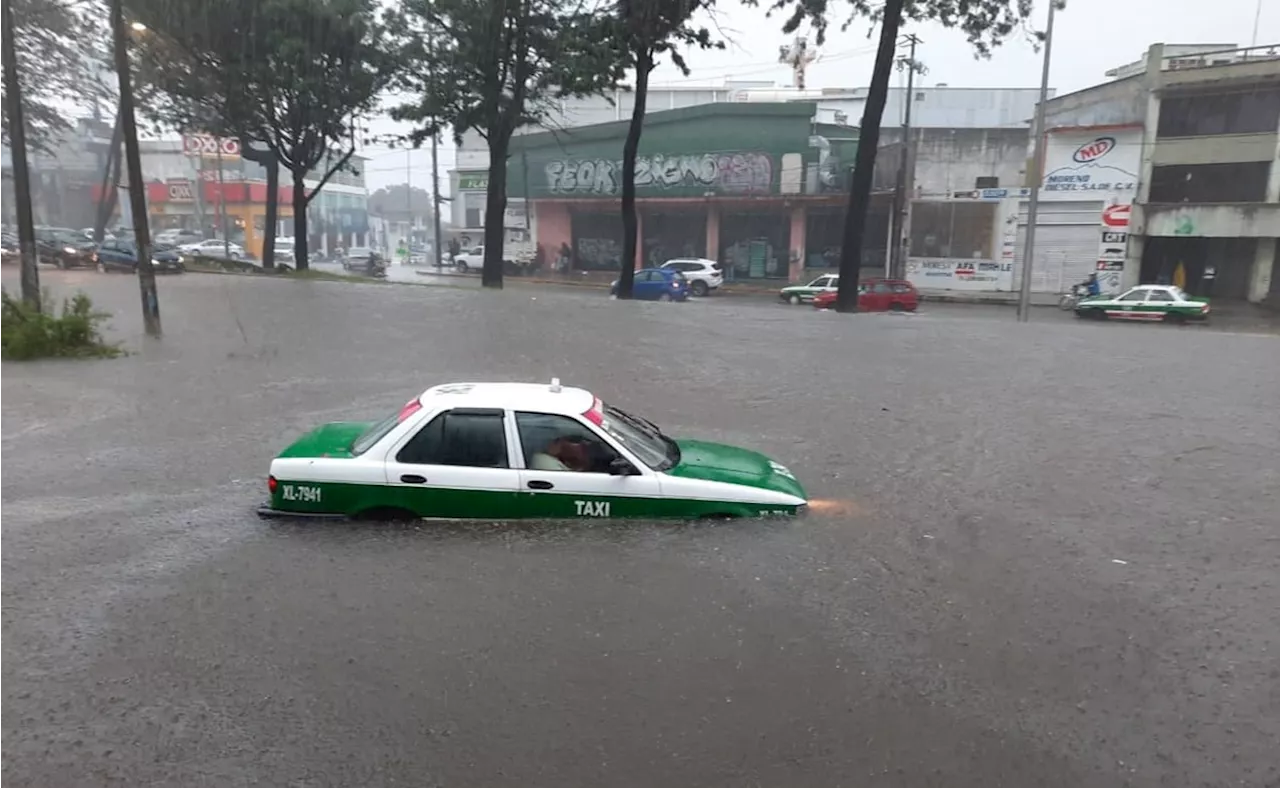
(1068, 301)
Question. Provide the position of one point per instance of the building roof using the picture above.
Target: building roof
(538, 397)
(615, 129)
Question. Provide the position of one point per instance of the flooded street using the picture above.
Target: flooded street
(1045, 555)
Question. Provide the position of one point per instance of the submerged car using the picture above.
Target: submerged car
(521, 450)
(877, 295)
(800, 294)
(656, 284)
(1149, 303)
(123, 256)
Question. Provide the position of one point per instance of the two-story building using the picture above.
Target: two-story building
(760, 187)
(1170, 173)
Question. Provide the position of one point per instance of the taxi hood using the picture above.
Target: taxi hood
(718, 462)
(327, 440)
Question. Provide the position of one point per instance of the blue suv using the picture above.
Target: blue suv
(657, 284)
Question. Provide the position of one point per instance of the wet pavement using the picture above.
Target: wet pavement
(1053, 562)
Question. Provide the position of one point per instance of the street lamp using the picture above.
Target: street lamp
(1038, 136)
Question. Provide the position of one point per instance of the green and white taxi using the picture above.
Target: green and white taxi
(499, 451)
(1149, 303)
(804, 294)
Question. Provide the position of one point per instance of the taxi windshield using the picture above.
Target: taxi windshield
(641, 437)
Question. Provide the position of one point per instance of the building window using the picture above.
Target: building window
(986, 182)
(1210, 183)
(474, 217)
(1208, 114)
(958, 230)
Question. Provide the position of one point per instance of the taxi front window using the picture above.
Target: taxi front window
(640, 437)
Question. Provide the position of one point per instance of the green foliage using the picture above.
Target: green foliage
(291, 74)
(55, 42)
(986, 23)
(498, 65)
(653, 28)
(27, 334)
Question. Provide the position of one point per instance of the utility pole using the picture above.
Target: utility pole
(897, 253)
(21, 173)
(435, 199)
(1037, 175)
(222, 203)
(137, 188)
(798, 56)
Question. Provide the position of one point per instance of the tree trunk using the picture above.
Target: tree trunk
(300, 218)
(855, 220)
(627, 276)
(267, 158)
(21, 173)
(273, 211)
(110, 182)
(495, 208)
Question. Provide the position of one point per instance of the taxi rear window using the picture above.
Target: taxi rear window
(370, 437)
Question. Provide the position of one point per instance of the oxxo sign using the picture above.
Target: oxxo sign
(180, 191)
(211, 146)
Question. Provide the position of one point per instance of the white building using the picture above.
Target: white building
(1185, 142)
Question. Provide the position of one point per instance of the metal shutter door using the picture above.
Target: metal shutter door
(1068, 235)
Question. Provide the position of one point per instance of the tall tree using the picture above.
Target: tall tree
(61, 54)
(986, 23)
(291, 76)
(496, 66)
(649, 30)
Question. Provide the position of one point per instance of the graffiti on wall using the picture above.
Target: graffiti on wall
(733, 173)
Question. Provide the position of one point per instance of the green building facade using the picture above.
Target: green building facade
(758, 186)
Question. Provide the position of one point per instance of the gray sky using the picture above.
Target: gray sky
(1090, 37)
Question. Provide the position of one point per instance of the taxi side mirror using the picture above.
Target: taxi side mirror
(621, 467)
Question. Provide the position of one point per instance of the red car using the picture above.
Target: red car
(877, 295)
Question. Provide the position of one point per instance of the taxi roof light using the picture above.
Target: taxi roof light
(555, 386)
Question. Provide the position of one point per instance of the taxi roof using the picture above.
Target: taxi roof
(540, 397)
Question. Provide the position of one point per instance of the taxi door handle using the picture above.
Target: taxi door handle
(538, 484)
(413, 478)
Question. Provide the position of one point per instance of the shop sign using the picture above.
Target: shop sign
(180, 191)
(209, 146)
(1088, 165)
(941, 273)
(473, 181)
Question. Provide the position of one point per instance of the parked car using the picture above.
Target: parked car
(877, 295)
(357, 257)
(799, 294)
(10, 249)
(117, 255)
(517, 258)
(213, 247)
(178, 237)
(63, 247)
(657, 284)
(704, 275)
(88, 234)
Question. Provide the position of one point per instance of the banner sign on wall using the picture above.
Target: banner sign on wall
(940, 273)
(1083, 165)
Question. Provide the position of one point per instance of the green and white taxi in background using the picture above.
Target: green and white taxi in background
(1146, 303)
(516, 450)
(804, 294)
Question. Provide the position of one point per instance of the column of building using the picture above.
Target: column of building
(1151, 123)
(1265, 254)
